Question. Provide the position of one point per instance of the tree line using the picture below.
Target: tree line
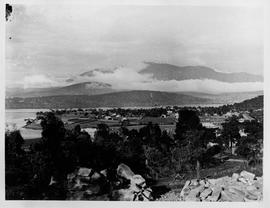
(147, 151)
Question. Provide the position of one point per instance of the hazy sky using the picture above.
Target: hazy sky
(51, 43)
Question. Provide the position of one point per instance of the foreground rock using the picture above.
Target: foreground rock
(86, 184)
(238, 188)
(136, 190)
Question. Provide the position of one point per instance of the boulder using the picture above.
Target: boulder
(205, 193)
(228, 196)
(185, 190)
(194, 194)
(238, 188)
(137, 189)
(216, 192)
(124, 171)
(235, 176)
(84, 172)
(243, 180)
(247, 175)
(95, 176)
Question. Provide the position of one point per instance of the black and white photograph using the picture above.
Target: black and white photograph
(134, 102)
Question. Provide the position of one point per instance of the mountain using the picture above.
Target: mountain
(171, 72)
(117, 99)
(226, 98)
(253, 103)
(84, 88)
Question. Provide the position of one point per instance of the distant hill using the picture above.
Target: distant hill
(226, 98)
(172, 72)
(250, 104)
(84, 88)
(117, 99)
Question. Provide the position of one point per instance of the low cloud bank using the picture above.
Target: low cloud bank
(124, 78)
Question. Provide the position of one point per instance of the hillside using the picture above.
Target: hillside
(250, 104)
(117, 99)
(172, 72)
(226, 98)
(84, 88)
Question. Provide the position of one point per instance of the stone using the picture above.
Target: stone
(251, 188)
(95, 176)
(185, 189)
(124, 171)
(235, 176)
(205, 193)
(194, 194)
(212, 181)
(228, 196)
(243, 180)
(92, 189)
(104, 172)
(236, 190)
(129, 195)
(251, 196)
(216, 192)
(207, 184)
(84, 172)
(247, 175)
(202, 182)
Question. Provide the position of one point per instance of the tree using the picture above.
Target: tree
(189, 133)
(230, 132)
(251, 145)
(49, 160)
(188, 121)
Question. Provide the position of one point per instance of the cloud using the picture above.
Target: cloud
(124, 78)
(38, 81)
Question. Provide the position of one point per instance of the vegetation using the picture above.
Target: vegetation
(148, 151)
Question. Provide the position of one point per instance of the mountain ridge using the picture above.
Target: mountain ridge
(133, 98)
(165, 72)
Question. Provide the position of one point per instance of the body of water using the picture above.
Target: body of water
(15, 119)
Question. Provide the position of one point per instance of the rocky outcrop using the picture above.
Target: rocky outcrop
(238, 188)
(136, 190)
(87, 184)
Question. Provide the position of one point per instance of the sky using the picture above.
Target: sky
(45, 45)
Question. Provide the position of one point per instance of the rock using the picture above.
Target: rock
(212, 181)
(216, 192)
(251, 196)
(194, 194)
(205, 193)
(185, 189)
(137, 189)
(92, 189)
(243, 187)
(247, 175)
(95, 176)
(128, 195)
(243, 180)
(202, 182)
(235, 176)
(84, 172)
(104, 172)
(124, 171)
(251, 188)
(235, 190)
(228, 196)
